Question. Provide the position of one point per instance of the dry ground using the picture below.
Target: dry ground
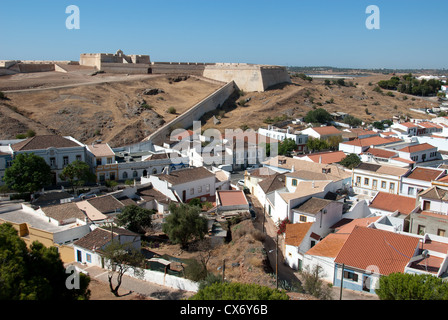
(113, 109)
(296, 99)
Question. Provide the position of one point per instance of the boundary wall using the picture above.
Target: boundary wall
(213, 101)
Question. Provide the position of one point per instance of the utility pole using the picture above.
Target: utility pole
(342, 281)
(276, 262)
(223, 268)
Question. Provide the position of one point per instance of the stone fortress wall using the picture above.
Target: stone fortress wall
(247, 77)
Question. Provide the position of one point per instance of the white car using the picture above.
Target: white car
(241, 182)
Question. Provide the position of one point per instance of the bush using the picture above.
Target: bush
(195, 271)
(239, 291)
(171, 110)
(2, 96)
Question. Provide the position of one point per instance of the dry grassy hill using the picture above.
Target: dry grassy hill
(115, 109)
(296, 99)
(118, 112)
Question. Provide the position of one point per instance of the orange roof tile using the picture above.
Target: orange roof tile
(393, 202)
(329, 246)
(371, 141)
(296, 232)
(388, 251)
(232, 197)
(381, 153)
(417, 148)
(323, 131)
(425, 174)
(364, 222)
(327, 157)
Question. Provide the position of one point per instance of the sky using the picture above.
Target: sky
(333, 33)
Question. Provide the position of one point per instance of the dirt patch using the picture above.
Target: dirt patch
(100, 291)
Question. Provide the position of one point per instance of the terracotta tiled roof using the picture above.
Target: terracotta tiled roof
(44, 142)
(393, 202)
(100, 237)
(185, 175)
(296, 232)
(425, 174)
(371, 141)
(323, 131)
(232, 197)
(389, 252)
(408, 124)
(273, 183)
(382, 169)
(363, 222)
(435, 193)
(262, 172)
(149, 194)
(101, 150)
(429, 125)
(64, 211)
(329, 246)
(417, 148)
(313, 205)
(105, 204)
(327, 157)
(380, 153)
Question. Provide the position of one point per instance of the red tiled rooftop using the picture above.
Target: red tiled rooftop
(296, 232)
(417, 148)
(424, 174)
(388, 251)
(327, 157)
(326, 130)
(393, 202)
(232, 197)
(371, 141)
(381, 153)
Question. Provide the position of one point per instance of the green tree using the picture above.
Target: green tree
(36, 273)
(319, 115)
(333, 142)
(351, 161)
(77, 173)
(238, 291)
(352, 121)
(135, 218)
(28, 173)
(405, 286)
(286, 147)
(121, 258)
(184, 223)
(315, 144)
(312, 283)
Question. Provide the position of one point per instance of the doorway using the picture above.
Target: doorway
(78, 256)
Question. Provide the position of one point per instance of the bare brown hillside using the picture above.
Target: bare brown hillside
(296, 99)
(115, 108)
(118, 112)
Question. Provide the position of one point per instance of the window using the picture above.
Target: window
(392, 186)
(125, 175)
(358, 180)
(349, 275)
(192, 191)
(414, 158)
(303, 218)
(65, 160)
(313, 243)
(374, 184)
(98, 161)
(207, 188)
(200, 189)
(78, 157)
(294, 182)
(88, 257)
(154, 171)
(52, 162)
(421, 230)
(366, 181)
(441, 232)
(411, 191)
(383, 184)
(135, 174)
(109, 160)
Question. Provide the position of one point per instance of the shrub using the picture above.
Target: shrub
(171, 110)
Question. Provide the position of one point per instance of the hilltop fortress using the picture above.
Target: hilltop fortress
(247, 77)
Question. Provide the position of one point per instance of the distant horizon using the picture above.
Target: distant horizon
(289, 33)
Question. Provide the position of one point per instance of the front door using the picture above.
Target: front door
(366, 284)
(78, 256)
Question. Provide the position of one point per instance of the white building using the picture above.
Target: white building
(185, 184)
(57, 151)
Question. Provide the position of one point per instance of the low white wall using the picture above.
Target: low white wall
(167, 280)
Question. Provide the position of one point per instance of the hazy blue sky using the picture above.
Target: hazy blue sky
(412, 33)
